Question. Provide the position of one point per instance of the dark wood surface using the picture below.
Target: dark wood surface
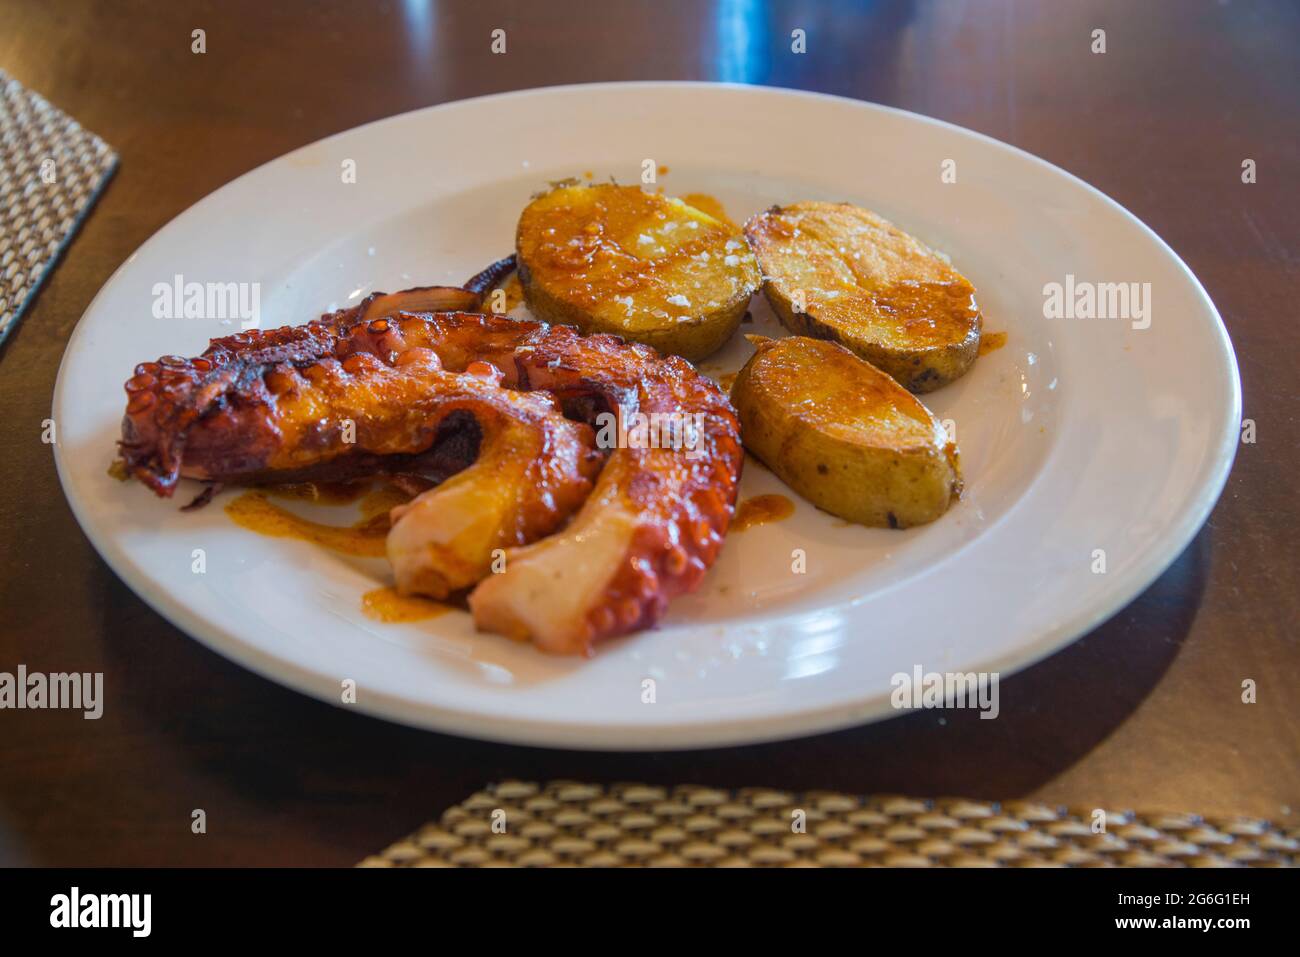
(1145, 712)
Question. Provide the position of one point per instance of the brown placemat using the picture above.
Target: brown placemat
(520, 824)
(51, 173)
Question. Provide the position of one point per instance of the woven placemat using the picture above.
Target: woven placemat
(51, 173)
(521, 824)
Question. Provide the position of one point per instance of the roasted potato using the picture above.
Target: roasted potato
(643, 266)
(843, 434)
(838, 272)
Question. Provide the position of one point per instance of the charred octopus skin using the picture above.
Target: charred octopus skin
(166, 398)
(252, 407)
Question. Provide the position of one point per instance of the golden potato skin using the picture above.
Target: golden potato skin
(844, 435)
(869, 286)
(641, 265)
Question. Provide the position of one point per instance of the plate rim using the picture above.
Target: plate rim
(692, 733)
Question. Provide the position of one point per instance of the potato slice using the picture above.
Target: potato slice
(840, 272)
(643, 266)
(843, 434)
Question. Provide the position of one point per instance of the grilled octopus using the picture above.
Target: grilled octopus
(596, 542)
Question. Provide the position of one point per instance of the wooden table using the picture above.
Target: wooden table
(1145, 712)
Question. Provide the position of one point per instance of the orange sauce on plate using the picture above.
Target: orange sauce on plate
(992, 341)
(255, 511)
(364, 538)
(760, 510)
(387, 605)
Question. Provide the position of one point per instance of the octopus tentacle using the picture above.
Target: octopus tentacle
(656, 520)
(523, 471)
(165, 398)
(653, 525)
(264, 404)
(532, 470)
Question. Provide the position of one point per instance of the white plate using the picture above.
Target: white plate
(1079, 435)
